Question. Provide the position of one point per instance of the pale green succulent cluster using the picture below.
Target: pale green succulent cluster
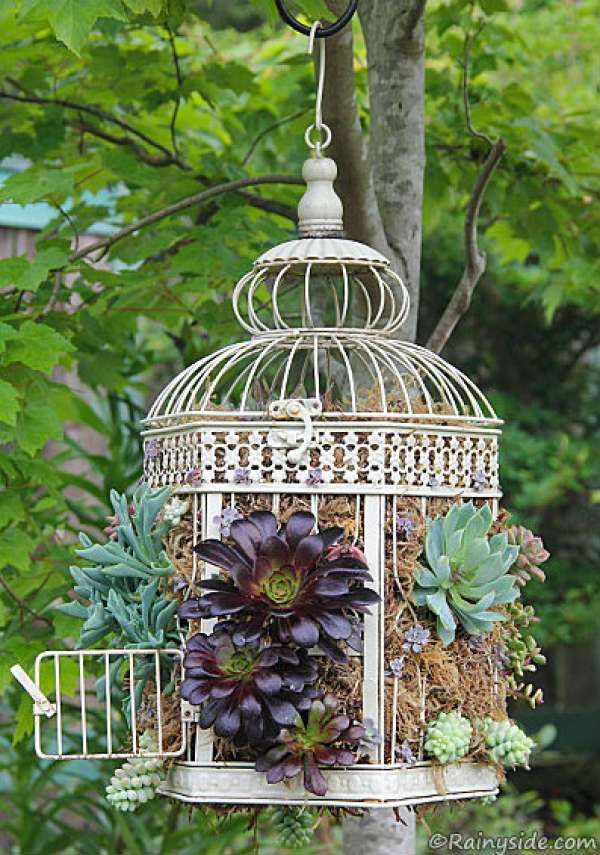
(448, 737)
(294, 826)
(135, 782)
(506, 743)
(467, 573)
(122, 583)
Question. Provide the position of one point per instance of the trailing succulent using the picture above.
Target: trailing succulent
(248, 689)
(321, 736)
(448, 737)
(135, 782)
(284, 582)
(294, 826)
(506, 743)
(124, 575)
(467, 573)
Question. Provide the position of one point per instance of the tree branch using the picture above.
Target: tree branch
(22, 604)
(266, 131)
(475, 259)
(179, 76)
(183, 204)
(271, 206)
(140, 152)
(27, 98)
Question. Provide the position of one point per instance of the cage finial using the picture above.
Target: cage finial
(320, 211)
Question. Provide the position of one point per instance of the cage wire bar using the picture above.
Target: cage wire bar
(78, 708)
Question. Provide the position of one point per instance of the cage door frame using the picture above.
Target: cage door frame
(105, 654)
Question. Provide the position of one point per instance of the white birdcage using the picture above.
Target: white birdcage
(323, 402)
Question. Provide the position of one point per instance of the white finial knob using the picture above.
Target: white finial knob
(320, 211)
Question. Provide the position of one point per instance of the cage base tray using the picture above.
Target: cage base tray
(363, 786)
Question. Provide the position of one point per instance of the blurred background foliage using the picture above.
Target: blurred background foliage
(119, 108)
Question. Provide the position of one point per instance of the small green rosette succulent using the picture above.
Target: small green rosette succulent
(506, 743)
(448, 737)
(467, 573)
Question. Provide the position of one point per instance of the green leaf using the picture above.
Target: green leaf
(28, 276)
(73, 20)
(9, 403)
(15, 548)
(38, 424)
(138, 7)
(38, 346)
(37, 184)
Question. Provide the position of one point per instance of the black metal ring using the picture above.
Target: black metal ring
(322, 32)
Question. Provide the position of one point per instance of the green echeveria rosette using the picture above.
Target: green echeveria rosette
(135, 782)
(448, 737)
(506, 743)
(468, 572)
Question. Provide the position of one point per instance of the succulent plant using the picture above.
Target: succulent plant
(467, 573)
(522, 654)
(405, 525)
(248, 690)
(294, 826)
(283, 581)
(416, 638)
(175, 509)
(448, 737)
(319, 737)
(135, 782)
(225, 518)
(506, 743)
(405, 755)
(531, 554)
(122, 583)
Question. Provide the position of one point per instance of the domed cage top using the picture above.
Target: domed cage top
(322, 313)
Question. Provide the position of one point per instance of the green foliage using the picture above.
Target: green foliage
(467, 573)
(448, 737)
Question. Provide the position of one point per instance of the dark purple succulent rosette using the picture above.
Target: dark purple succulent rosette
(281, 581)
(321, 737)
(248, 691)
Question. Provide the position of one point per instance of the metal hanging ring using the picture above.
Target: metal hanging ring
(322, 32)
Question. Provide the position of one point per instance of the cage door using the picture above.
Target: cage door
(99, 703)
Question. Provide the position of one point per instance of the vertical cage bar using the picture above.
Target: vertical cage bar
(107, 699)
(58, 701)
(132, 709)
(381, 609)
(394, 736)
(83, 709)
(158, 701)
(372, 670)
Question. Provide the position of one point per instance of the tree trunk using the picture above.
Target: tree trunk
(395, 37)
(380, 833)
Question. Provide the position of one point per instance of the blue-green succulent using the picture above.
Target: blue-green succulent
(122, 581)
(467, 572)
